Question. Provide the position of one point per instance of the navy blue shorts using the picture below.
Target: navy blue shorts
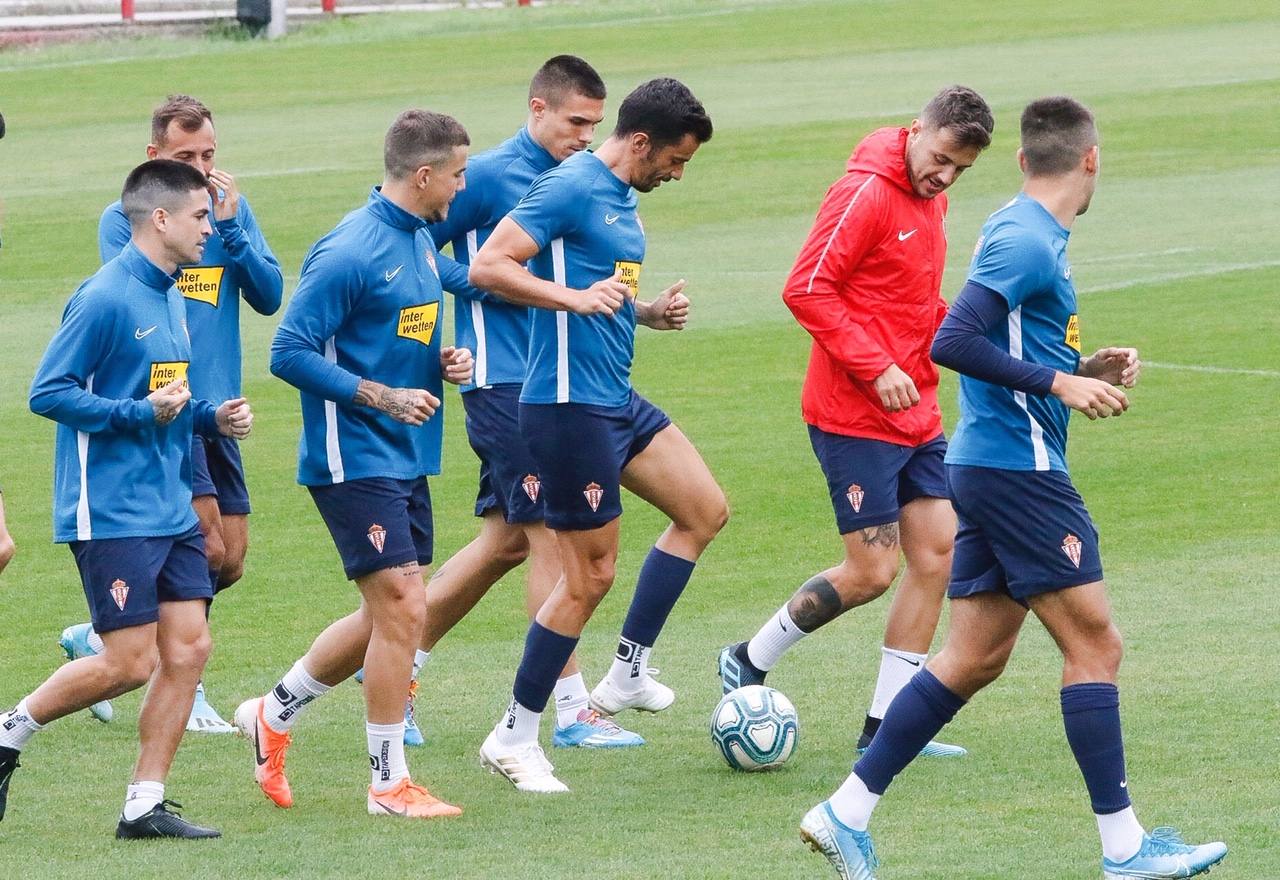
(126, 579)
(508, 474)
(1021, 533)
(871, 480)
(217, 469)
(377, 522)
(581, 451)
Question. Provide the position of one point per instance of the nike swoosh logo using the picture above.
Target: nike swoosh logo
(610, 220)
(392, 810)
(257, 748)
(143, 334)
(903, 236)
(394, 272)
(912, 662)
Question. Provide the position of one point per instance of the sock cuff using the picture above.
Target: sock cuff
(551, 638)
(22, 710)
(907, 656)
(1090, 696)
(389, 731)
(659, 556)
(310, 685)
(937, 695)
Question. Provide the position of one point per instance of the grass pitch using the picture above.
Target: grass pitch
(1176, 257)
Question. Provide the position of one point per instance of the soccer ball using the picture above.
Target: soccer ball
(755, 728)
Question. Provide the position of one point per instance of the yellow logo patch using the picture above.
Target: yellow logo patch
(418, 322)
(202, 283)
(1073, 332)
(629, 274)
(164, 372)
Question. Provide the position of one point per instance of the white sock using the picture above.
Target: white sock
(571, 698)
(281, 705)
(386, 755)
(17, 726)
(420, 658)
(518, 725)
(896, 669)
(95, 641)
(853, 802)
(627, 674)
(774, 639)
(1121, 834)
(140, 797)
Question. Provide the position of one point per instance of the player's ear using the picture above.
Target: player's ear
(537, 106)
(1022, 161)
(640, 143)
(1092, 160)
(160, 219)
(152, 151)
(422, 176)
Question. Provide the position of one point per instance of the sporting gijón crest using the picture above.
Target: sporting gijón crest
(377, 537)
(1071, 545)
(532, 486)
(119, 593)
(594, 495)
(855, 494)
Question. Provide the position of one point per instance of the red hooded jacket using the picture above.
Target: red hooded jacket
(867, 287)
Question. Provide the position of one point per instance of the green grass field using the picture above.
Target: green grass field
(1177, 256)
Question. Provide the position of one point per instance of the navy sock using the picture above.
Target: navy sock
(545, 653)
(663, 578)
(915, 716)
(1091, 713)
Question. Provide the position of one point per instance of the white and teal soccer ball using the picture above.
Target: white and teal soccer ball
(755, 728)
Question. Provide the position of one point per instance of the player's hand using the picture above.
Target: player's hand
(410, 406)
(457, 364)
(234, 418)
(603, 298)
(1096, 398)
(1119, 366)
(226, 195)
(169, 400)
(670, 311)
(897, 391)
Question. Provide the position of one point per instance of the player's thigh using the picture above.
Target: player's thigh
(589, 558)
(1079, 619)
(235, 538)
(980, 639)
(871, 560)
(927, 530)
(670, 474)
(182, 635)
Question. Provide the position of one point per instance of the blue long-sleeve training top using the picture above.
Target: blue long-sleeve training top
(117, 474)
(367, 307)
(237, 263)
(496, 331)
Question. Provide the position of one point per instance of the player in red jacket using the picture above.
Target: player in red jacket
(867, 287)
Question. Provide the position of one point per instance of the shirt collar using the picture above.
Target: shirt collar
(1058, 227)
(141, 267)
(392, 214)
(537, 155)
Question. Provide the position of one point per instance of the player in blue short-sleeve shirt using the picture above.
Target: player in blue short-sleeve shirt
(589, 432)
(1025, 541)
(565, 103)
(114, 378)
(360, 340)
(237, 263)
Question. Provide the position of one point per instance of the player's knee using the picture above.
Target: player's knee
(859, 582)
(708, 518)
(133, 669)
(215, 550)
(230, 572)
(511, 551)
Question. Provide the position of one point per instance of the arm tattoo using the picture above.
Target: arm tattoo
(814, 604)
(885, 535)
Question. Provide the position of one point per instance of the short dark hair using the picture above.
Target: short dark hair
(963, 113)
(158, 183)
(566, 75)
(190, 114)
(420, 137)
(1056, 132)
(666, 111)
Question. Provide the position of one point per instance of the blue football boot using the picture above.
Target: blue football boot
(595, 731)
(736, 669)
(1163, 856)
(849, 852)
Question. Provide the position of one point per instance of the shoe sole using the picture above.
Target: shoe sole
(807, 837)
(1107, 875)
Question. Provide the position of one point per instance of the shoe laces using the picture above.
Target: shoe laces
(1166, 840)
(600, 722)
(165, 804)
(534, 759)
(411, 705)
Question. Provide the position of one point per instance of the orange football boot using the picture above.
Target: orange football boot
(409, 799)
(268, 752)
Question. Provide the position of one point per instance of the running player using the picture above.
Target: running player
(589, 432)
(237, 264)
(114, 379)
(566, 102)
(1025, 539)
(867, 287)
(360, 341)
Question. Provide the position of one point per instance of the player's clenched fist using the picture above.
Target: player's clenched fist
(1119, 366)
(235, 418)
(603, 298)
(1096, 398)
(412, 406)
(670, 311)
(169, 400)
(896, 389)
(456, 364)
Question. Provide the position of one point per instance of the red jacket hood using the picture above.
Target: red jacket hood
(884, 153)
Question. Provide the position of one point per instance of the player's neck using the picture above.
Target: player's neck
(400, 193)
(1057, 195)
(156, 252)
(617, 157)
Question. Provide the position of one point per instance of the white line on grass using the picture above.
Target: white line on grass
(1203, 368)
(1219, 269)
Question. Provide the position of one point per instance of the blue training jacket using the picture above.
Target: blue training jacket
(496, 331)
(117, 474)
(237, 262)
(367, 307)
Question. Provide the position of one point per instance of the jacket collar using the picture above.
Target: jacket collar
(140, 267)
(534, 152)
(392, 214)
